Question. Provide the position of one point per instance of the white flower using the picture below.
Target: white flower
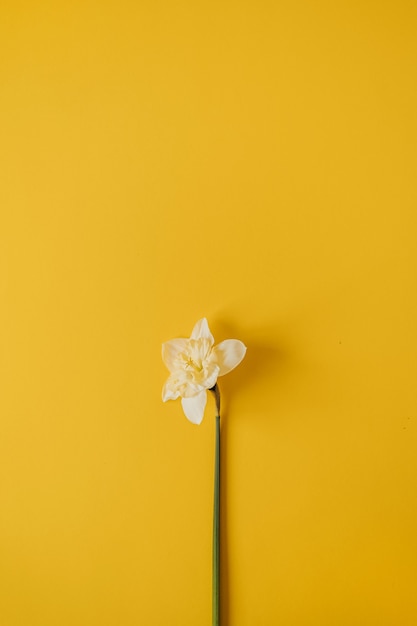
(194, 366)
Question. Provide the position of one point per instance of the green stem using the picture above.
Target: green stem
(216, 517)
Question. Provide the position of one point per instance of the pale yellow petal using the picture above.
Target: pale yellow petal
(201, 329)
(169, 392)
(211, 376)
(194, 407)
(229, 354)
(170, 351)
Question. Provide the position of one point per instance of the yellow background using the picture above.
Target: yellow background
(255, 163)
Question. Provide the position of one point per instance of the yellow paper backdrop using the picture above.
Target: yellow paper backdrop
(255, 163)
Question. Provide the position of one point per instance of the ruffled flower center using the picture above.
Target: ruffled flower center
(195, 368)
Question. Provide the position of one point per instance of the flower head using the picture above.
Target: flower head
(194, 365)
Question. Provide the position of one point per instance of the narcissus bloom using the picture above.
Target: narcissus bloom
(195, 365)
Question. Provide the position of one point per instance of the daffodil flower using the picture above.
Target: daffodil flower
(195, 364)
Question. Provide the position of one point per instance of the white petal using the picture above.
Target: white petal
(212, 375)
(201, 329)
(168, 393)
(170, 351)
(229, 354)
(194, 407)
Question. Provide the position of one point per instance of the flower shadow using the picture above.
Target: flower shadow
(266, 361)
(263, 363)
